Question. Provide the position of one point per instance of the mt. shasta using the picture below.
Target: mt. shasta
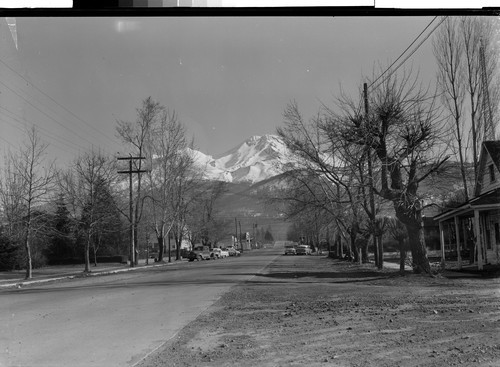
(256, 159)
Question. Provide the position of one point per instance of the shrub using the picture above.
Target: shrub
(11, 255)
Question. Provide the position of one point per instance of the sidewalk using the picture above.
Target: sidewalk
(16, 278)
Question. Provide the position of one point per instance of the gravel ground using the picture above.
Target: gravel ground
(317, 311)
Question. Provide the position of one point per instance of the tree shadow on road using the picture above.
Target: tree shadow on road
(329, 276)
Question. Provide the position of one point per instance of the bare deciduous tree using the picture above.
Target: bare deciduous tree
(170, 174)
(403, 129)
(27, 184)
(86, 186)
(11, 196)
(203, 221)
(449, 53)
(459, 47)
(137, 136)
(332, 173)
(477, 33)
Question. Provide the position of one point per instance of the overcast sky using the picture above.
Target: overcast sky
(227, 78)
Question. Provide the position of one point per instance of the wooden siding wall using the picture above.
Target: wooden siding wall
(487, 185)
(493, 250)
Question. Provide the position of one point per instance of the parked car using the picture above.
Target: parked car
(192, 256)
(216, 253)
(232, 251)
(290, 250)
(303, 250)
(224, 252)
(202, 251)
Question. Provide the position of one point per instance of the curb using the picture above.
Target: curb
(79, 275)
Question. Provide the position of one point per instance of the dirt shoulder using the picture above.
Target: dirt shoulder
(317, 311)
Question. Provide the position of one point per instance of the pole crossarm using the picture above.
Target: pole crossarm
(136, 171)
(129, 158)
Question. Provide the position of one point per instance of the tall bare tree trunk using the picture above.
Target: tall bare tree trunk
(87, 252)
(29, 265)
(402, 257)
(136, 242)
(95, 255)
(354, 255)
(178, 242)
(160, 248)
(416, 242)
(364, 252)
(380, 248)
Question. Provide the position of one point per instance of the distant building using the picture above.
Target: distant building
(473, 228)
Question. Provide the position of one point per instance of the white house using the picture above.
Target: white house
(475, 225)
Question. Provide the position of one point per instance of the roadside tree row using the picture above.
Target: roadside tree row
(367, 155)
(74, 214)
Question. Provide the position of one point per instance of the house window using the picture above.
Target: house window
(492, 173)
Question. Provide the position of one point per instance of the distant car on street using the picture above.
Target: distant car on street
(202, 253)
(192, 256)
(216, 253)
(303, 250)
(290, 250)
(233, 252)
(224, 252)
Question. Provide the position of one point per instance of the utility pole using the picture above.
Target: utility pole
(241, 245)
(130, 171)
(254, 234)
(169, 248)
(236, 232)
(147, 248)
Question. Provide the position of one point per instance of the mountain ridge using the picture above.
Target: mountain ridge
(256, 159)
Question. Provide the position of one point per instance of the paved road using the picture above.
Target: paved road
(114, 320)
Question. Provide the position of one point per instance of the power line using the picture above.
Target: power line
(31, 104)
(8, 142)
(50, 134)
(400, 56)
(53, 100)
(47, 136)
(44, 131)
(49, 117)
(411, 54)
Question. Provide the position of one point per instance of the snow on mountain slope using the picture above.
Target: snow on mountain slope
(256, 159)
(206, 164)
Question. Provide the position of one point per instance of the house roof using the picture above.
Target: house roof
(493, 148)
(489, 200)
(491, 197)
(488, 148)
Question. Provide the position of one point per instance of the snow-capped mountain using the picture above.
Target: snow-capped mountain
(254, 160)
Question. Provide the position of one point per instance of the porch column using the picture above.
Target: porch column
(441, 240)
(457, 234)
(466, 239)
(478, 240)
(484, 226)
(497, 245)
(491, 227)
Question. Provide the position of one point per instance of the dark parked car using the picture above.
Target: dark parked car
(192, 256)
(203, 252)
